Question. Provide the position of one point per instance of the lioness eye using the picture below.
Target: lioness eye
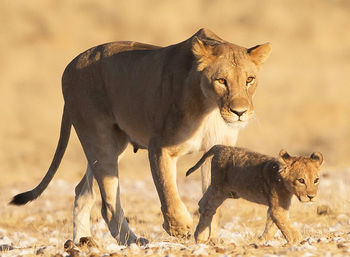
(316, 180)
(301, 180)
(250, 80)
(222, 81)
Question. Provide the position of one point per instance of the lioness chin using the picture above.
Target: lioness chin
(169, 100)
(239, 173)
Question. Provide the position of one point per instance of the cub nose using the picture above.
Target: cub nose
(310, 196)
(238, 112)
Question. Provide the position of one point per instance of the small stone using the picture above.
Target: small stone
(341, 245)
(254, 245)
(40, 251)
(219, 249)
(323, 210)
(73, 253)
(303, 242)
(87, 241)
(322, 240)
(5, 247)
(68, 245)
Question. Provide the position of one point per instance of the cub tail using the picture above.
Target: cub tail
(204, 157)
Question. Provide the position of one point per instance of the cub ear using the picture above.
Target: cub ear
(318, 157)
(259, 54)
(275, 166)
(203, 53)
(285, 157)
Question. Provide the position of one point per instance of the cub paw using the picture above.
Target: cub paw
(295, 238)
(202, 236)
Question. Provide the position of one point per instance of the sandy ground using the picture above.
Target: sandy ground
(302, 105)
(43, 226)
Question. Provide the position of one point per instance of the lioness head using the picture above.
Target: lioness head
(229, 74)
(301, 174)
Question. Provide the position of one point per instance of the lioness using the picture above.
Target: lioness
(170, 100)
(239, 173)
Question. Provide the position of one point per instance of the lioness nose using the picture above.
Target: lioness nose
(238, 112)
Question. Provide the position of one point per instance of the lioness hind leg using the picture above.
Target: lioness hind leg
(105, 170)
(84, 200)
(103, 142)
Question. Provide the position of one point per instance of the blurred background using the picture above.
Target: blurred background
(302, 103)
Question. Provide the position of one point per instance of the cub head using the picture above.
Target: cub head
(301, 174)
(229, 75)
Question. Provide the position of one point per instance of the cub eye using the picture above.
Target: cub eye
(250, 80)
(316, 180)
(222, 81)
(301, 180)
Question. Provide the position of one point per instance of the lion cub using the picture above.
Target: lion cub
(239, 173)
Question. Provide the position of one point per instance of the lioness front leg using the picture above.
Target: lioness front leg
(280, 217)
(177, 220)
(208, 205)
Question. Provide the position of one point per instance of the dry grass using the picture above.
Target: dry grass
(302, 105)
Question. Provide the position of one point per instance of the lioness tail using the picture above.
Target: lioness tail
(31, 195)
(204, 157)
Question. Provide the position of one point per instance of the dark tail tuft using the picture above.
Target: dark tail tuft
(23, 198)
(31, 195)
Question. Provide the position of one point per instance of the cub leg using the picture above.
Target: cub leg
(177, 220)
(280, 216)
(84, 200)
(208, 205)
(206, 179)
(270, 228)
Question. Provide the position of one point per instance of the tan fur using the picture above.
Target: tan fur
(239, 173)
(168, 100)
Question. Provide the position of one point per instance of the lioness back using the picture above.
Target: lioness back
(99, 52)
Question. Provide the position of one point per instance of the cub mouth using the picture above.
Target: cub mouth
(304, 199)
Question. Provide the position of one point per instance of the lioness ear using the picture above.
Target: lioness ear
(318, 157)
(259, 54)
(202, 52)
(285, 157)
